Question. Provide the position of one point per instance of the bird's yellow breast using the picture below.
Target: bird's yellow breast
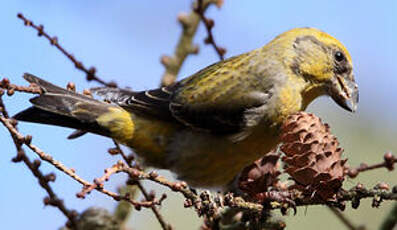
(151, 139)
(207, 160)
(200, 158)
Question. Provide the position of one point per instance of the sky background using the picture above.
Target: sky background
(124, 40)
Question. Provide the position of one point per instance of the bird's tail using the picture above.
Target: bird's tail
(61, 107)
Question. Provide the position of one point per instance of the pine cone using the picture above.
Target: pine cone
(260, 175)
(313, 156)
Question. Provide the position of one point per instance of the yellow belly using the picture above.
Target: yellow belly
(201, 159)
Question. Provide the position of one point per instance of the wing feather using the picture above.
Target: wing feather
(212, 100)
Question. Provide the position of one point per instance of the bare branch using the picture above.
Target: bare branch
(185, 47)
(128, 160)
(347, 222)
(209, 24)
(52, 198)
(87, 186)
(391, 219)
(98, 185)
(11, 88)
(90, 72)
(388, 163)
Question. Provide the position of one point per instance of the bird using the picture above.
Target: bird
(207, 127)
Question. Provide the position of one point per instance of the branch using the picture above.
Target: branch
(11, 88)
(98, 182)
(87, 186)
(9, 124)
(388, 163)
(90, 73)
(185, 46)
(391, 220)
(356, 193)
(52, 199)
(128, 160)
(345, 220)
(209, 24)
(98, 185)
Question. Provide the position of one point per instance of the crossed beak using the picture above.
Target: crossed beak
(344, 91)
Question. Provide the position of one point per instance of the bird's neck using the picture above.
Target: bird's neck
(294, 97)
(310, 92)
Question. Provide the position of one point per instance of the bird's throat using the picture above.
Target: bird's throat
(311, 92)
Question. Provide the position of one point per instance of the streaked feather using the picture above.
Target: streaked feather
(222, 110)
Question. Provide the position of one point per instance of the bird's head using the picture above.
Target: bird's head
(324, 62)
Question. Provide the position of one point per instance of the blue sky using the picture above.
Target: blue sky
(124, 40)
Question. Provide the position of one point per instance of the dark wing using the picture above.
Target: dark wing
(161, 104)
(229, 119)
(226, 119)
(210, 100)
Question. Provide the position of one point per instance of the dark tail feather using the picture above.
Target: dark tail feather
(37, 115)
(45, 85)
(49, 88)
(61, 107)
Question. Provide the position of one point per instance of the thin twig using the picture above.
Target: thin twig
(11, 88)
(98, 182)
(238, 202)
(43, 180)
(209, 24)
(390, 222)
(128, 160)
(388, 162)
(44, 156)
(98, 185)
(344, 219)
(159, 217)
(3, 110)
(68, 171)
(90, 73)
(185, 47)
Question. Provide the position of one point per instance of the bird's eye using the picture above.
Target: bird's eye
(339, 56)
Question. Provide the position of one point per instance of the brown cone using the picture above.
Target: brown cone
(312, 156)
(260, 175)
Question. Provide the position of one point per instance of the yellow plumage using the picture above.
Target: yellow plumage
(207, 127)
(119, 122)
